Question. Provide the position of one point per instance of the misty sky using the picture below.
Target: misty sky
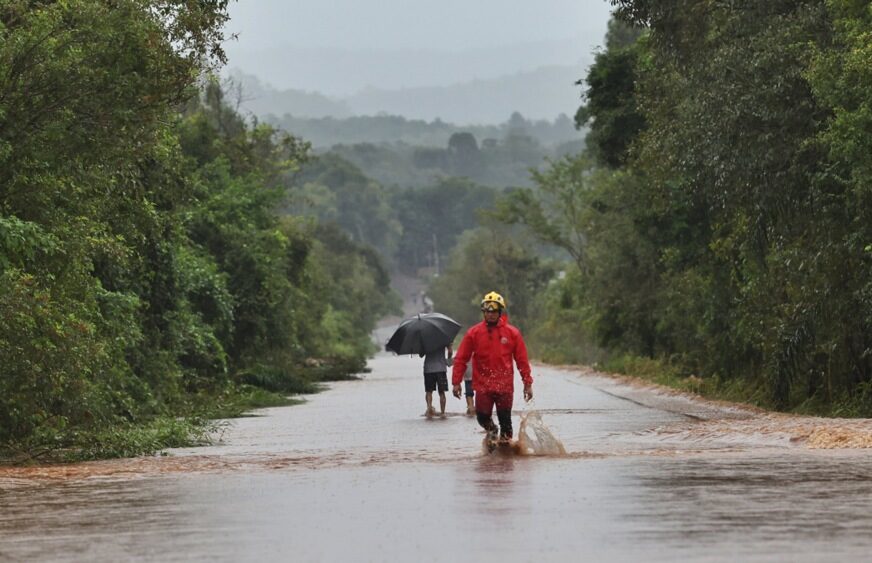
(339, 47)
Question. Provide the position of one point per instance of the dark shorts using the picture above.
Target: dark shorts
(436, 379)
(468, 386)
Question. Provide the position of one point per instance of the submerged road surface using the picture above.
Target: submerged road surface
(358, 474)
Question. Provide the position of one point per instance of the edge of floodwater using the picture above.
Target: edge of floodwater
(712, 418)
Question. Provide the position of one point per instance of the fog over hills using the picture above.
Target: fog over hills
(339, 72)
(261, 98)
(542, 93)
(459, 61)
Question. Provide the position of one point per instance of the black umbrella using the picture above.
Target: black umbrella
(423, 333)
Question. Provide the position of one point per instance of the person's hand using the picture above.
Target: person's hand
(528, 392)
(456, 391)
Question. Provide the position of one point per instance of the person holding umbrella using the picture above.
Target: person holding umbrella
(436, 377)
(493, 345)
(429, 335)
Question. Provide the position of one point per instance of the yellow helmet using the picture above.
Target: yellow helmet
(493, 297)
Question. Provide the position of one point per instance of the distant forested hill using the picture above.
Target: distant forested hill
(259, 98)
(329, 131)
(541, 93)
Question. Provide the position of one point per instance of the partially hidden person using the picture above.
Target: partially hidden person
(436, 377)
(493, 345)
(468, 391)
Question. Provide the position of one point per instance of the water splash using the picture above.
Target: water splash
(534, 437)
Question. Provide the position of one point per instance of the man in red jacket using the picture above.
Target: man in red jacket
(492, 345)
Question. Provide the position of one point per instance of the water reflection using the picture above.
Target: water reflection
(494, 481)
(358, 474)
(88, 520)
(805, 495)
(763, 506)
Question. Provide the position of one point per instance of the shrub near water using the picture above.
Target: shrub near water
(126, 440)
(52, 360)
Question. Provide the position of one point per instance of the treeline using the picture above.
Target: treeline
(324, 132)
(446, 231)
(496, 163)
(720, 224)
(146, 277)
(411, 228)
(397, 152)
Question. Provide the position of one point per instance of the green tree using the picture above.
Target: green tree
(359, 205)
(434, 217)
(733, 240)
(144, 271)
(464, 154)
(610, 108)
(86, 94)
(491, 258)
(555, 210)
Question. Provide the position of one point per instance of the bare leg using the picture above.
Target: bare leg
(470, 406)
(429, 398)
(442, 402)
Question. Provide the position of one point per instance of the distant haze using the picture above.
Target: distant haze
(347, 49)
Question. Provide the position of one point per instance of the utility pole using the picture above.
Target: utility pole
(436, 253)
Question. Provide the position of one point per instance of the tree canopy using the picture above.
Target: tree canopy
(145, 272)
(728, 235)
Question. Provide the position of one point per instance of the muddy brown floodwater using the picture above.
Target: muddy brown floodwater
(358, 474)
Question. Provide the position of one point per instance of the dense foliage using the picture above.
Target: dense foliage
(722, 214)
(486, 258)
(162, 259)
(411, 228)
(144, 271)
(495, 163)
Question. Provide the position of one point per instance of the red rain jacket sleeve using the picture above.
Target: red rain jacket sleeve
(521, 360)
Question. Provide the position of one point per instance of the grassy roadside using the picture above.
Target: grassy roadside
(193, 422)
(737, 390)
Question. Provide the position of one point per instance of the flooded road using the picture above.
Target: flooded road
(358, 474)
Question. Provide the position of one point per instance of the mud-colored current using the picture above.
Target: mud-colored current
(358, 474)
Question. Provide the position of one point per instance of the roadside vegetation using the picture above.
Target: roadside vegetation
(719, 222)
(165, 261)
(148, 282)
